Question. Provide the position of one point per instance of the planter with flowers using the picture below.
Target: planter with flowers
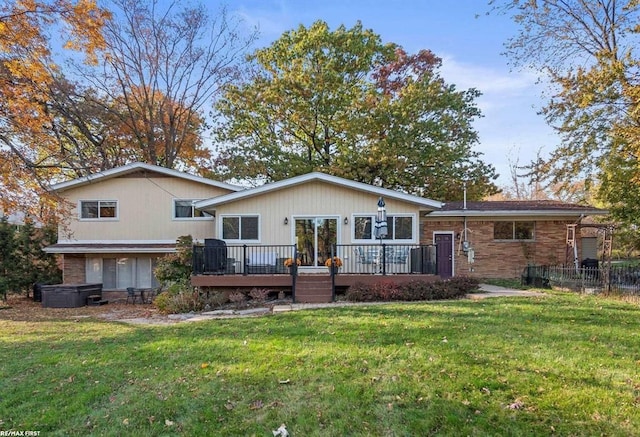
(292, 265)
(333, 263)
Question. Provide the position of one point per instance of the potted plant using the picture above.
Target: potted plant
(292, 264)
(333, 263)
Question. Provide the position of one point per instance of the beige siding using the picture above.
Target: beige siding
(310, 199)
(145, 210)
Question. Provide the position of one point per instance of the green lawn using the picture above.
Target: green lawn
(561, 364)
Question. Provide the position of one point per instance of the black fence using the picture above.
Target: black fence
(589, 278)
(386, 259)
(215, 257)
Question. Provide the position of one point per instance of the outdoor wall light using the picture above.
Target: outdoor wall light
(346, 221)
(286, 221)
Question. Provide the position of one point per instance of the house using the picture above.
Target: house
(497, 239)
(122, 219)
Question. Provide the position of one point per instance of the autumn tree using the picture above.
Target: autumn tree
(345, 103)
(587, 50)
(162, 67)
(27, 67)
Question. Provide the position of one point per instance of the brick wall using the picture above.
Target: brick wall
(500, 259)
(73, 269)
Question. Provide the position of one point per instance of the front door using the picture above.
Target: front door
(444, 254)
(314, 238)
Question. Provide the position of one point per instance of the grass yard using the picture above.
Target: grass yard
(557, 365)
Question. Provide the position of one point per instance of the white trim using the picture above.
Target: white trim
(135, 166)
(113, 249)
(193, 218)
(317, 176)
(115, 242)
(337, 217)
(414, 228)
(238, 241)
(517, 213)
(98, 219)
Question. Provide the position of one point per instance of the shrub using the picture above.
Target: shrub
(418, 290)
(176, 267)
(238, 298)
(453, 288)
(259, 295)
(385, 291)
(360, 292)
(182, 302)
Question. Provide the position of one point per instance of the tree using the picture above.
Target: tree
(22, 260)
(162, 66)
(587, 49)
(344, 103)
(150, 71)
(8, 262)
(27, 69)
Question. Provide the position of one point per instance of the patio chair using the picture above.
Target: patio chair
(262, 262)
(131, 295)
(365, 258)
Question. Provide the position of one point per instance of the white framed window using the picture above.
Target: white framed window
(514, 231)
(183, 209)
(400, 227)
(98, 209)
(240, 227)
(120, 273)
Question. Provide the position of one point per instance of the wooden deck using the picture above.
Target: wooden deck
(309, 288)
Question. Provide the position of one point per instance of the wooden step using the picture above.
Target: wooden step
(313, 289)
(95, 300)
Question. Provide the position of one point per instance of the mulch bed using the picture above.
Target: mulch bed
(20, 308)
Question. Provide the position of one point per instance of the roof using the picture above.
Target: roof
(321, 177)
(136, 167)
(111, 248)
(516, 207)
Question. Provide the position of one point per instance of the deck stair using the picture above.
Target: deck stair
(313, 289)
(96, 300)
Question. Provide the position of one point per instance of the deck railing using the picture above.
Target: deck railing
(384, 259)
(242, 259)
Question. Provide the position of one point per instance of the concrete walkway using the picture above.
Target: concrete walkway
(487, 290)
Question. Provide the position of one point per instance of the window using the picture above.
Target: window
(98, 209)
(120, 273)
(184, 209)
(398, 227)
(513, 230)
(240, 227)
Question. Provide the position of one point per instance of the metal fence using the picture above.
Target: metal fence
(623, 280)
(217, 258)
(386, 259)
(220, 259)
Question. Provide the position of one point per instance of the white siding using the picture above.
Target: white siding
(311, 199)
(145, 210)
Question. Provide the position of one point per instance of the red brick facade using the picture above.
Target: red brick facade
(73, 269)
(500, 259)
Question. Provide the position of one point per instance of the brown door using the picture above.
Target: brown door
(444, 254)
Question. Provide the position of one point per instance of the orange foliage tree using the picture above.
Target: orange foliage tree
(28, 150)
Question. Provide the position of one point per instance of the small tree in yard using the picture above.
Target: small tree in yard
(174, 273)
(175, 268)
(8, 262)
(22, 261)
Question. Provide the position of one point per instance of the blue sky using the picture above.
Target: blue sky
(470, 44)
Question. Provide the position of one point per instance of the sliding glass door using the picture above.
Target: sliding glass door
(314, 238)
